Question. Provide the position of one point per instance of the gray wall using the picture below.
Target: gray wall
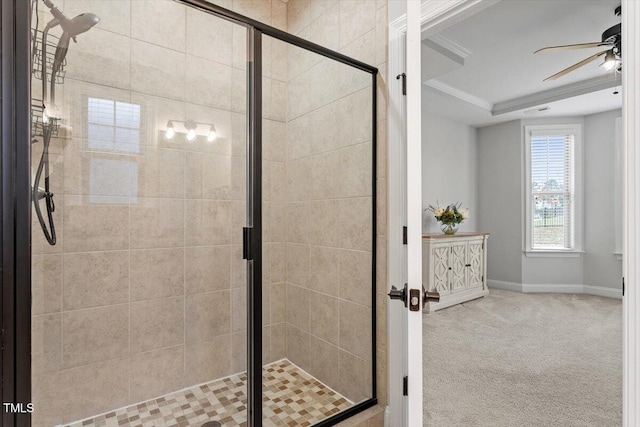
(601, 268)
(501, 189)
(448, 147)
(500, 197)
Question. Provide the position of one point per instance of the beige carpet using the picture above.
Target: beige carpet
(513, 359)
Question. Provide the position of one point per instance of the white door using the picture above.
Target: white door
(405, 208)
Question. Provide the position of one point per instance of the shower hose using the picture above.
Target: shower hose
(36, 193)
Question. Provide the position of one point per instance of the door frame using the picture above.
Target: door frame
(396, 214)
(631, 212)
(438, 14)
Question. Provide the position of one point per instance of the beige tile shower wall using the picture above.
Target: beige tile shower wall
(144, 293)
(328, 249)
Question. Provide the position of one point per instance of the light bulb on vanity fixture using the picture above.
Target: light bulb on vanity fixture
(212, 134)
(170, 132)
(191, 130)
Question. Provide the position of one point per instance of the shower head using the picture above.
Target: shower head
(78, 25)
(70, 29)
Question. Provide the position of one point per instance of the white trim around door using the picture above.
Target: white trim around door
(631, 211)
(436, 15)
(396, 216)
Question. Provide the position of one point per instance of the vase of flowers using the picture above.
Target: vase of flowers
(450, 217)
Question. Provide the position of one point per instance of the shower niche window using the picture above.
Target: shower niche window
(198, 278)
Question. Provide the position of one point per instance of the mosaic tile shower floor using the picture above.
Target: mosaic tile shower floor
(291, 398)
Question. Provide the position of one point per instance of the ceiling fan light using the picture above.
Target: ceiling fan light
(610, 61)
(608, 65)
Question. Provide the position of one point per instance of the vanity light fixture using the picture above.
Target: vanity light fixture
(189, 130)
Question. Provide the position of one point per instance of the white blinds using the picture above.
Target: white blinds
(552, 190)
(113, 126)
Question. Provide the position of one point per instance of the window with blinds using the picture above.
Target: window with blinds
(552, 181)
(113, 126)
(552, 198)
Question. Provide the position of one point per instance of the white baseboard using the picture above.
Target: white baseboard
(556, 288)
(501, 284)
(602, 291)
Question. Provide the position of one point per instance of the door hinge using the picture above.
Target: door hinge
(623, 286)
(403, 76)
(404, 235)
(405, 386)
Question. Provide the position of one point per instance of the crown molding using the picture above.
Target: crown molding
(533, 100)
(556, 94)
(451, 45)
(433, 13)
(460, 94)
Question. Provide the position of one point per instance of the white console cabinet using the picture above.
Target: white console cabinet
(454, 266)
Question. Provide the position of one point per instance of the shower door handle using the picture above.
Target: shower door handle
(247, 253)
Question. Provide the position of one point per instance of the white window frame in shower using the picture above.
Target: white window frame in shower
(113, 144)
(118, 154)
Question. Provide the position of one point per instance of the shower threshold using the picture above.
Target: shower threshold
(292, 397)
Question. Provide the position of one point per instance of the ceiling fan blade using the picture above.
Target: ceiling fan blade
(576, 66)
(573, 46)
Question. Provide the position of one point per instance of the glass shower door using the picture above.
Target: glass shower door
(139, 304)
(319, 213)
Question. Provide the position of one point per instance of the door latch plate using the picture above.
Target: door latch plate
(415, 298)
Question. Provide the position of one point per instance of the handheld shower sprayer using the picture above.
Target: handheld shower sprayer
(70, 29)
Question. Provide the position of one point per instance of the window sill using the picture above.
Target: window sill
(552, 254)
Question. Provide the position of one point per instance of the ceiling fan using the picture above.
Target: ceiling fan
(612, 55)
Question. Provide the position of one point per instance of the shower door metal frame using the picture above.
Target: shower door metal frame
(253, 232)
(15, 154)
(253, 244)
